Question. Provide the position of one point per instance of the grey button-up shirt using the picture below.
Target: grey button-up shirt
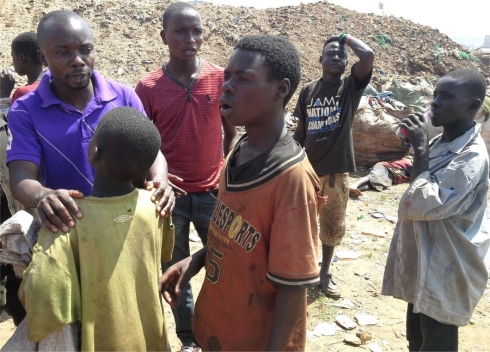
(439, 255)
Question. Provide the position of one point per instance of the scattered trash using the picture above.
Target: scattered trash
(345, 322)
(384, 342)
(120, 71)
(472, 321)
(335, 260)
(361, 216)
(380, 215)
(404, 333)
(346, 303)
(364, 319)
(364, 336)
(375, 348)
(324, 329)
(147, 61)
(374, 233)
(194, 238)
(347, 255)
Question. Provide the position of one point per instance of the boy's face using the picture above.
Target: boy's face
(18, 63)
(334, 58)
(68, 51)
(249, 94)
(452, 102)
(183, 35)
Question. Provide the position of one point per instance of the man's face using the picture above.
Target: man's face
(183, 35)
(68, 50)
(451, 103)
(248, 92)
(334, 58)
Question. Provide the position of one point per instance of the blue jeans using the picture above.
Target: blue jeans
(196, 208)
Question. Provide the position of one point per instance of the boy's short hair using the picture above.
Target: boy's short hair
(26, 44)
(280, 56)
(473, 80)
(174, 8)
(331, 40)
(128, 142)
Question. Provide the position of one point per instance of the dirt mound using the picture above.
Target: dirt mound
(129, 45)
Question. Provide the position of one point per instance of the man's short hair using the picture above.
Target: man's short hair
(128, 142)
(26, 44)
(331, 40)
(175, 8)
(59, 16)
(473, 81)
(280, 56)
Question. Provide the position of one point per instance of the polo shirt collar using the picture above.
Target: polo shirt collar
(455, 146)
(102, 90)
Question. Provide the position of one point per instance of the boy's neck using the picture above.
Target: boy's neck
(182, 70)
(105, 186)
(261, 138)
(34, 74)
(332, 79)
(456, 130)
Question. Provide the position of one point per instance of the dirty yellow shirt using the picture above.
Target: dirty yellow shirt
(104, 273)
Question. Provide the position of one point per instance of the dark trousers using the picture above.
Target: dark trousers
(196, 208)
(427, 334)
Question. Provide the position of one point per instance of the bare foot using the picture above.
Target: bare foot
(355, 192)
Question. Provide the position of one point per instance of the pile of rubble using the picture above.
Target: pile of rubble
(128, 42)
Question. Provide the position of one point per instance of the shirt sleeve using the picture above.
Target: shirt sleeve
(23, 142)
(141, 93)
(300, 109)
(168, 239)
(135, 102)
(50, 290)
(447, 192)
(293, 259)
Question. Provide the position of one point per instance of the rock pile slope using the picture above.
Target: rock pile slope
(128, 42)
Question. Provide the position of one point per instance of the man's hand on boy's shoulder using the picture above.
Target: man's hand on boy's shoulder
(56, 207)
(163, 195)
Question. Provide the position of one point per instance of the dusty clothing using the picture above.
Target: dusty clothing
(328, 111)
(104, 273)
(332, 216)
(189, 122)
(385, 173)
(439, 255)
(262, 234)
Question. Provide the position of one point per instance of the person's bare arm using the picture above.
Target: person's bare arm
(230, 136)
(288, 306)
(178, 275)
(366, 57)
(300, 132)
(55, 207)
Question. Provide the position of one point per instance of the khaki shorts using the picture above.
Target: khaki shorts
(332, 216)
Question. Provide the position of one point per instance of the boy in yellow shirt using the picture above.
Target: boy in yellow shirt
(104, 271)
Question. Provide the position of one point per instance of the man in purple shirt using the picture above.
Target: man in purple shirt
(51, 127)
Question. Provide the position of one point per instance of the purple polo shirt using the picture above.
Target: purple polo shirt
(55, 135)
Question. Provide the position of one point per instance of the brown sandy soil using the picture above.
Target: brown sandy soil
(360, 282)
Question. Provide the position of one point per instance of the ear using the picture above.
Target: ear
(94, 155)
(475, 105)
(22, 58)
(283, 88)
(162, 35)
(40, 55)
(321, 58)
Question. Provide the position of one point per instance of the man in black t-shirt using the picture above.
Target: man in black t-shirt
(325, 111)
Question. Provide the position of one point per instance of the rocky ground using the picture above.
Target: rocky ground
(360, 283)
(128, 42)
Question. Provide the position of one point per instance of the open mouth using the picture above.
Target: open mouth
(225, 107)
(78, 76)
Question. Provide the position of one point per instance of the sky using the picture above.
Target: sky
(467, 22)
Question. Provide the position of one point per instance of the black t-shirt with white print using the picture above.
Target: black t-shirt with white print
(328, 111)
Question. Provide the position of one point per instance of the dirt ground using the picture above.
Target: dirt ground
(360, 282)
